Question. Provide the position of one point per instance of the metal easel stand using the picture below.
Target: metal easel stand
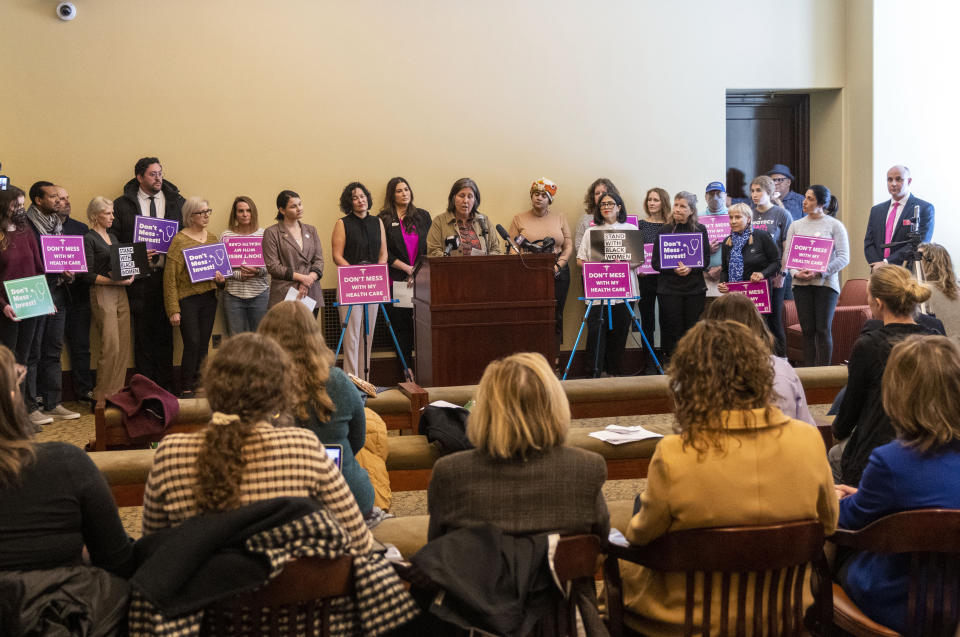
(583, 324)
(366, 335)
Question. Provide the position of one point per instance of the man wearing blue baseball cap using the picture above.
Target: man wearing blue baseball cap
(716, 195)
(782, 180)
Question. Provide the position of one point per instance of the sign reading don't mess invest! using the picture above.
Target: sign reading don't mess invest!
(203, 262)
(361, 284)
(63, 253)
(684, 247)
(30, 296)
(155, 232)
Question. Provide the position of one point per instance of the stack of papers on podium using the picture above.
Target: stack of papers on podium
(618, 435)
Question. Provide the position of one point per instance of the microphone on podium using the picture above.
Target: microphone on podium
(506, 237)
(451, 243)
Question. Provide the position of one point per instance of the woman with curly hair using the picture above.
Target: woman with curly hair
(735, 460)
(591, 200)
(324, 399)
(245, 454)
(942, 280)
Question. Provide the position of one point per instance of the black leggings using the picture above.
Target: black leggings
(677, 315)
(605, 346)
(196, 325)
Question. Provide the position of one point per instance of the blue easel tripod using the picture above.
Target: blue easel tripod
(366, 335)
(591, 302)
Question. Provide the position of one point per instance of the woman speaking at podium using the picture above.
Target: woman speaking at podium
(462, 221)
(534, 230)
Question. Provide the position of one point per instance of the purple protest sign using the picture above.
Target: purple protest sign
(361, 284)
(155, 232)
(809, 253)
(633, 220)
(647, 267)
(685, 248)
(607, 280)
(718, 226)
(245, 250)
(203, 262)
(63, 253)
(756, 291)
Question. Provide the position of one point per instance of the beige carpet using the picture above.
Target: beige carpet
(79, 432)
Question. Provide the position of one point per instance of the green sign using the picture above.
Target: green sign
(30, 296)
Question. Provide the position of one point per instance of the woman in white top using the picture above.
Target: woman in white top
(247, 292)
(815, 293)
(605, 346)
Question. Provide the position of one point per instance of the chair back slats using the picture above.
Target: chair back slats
(769, 562)
(576, 556)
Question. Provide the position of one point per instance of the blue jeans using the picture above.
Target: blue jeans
(815, 306)
(43, 367)
(243, 315)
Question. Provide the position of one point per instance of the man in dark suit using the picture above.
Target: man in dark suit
(77, 331)
(150, 195)
(892, 220)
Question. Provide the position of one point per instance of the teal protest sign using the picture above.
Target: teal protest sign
(30, 296)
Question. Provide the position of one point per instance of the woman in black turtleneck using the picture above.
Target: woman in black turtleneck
(358, 238)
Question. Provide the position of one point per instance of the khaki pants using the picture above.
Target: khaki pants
(111, 318)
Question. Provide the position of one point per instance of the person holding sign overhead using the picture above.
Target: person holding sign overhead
(605, 346)
(358, 238)
(815, 291)
(192, 306)
(751, 255)
(538, 224)
(108, 300)
(19, 258)
(247, 290)
(679, 257)
(293, 255)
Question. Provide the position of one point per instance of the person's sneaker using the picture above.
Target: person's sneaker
(38, 418)
(61, 413)
(376, 516)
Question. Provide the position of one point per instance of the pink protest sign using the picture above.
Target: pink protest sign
(718, 226)
(756, 291)
(633, 220)
(155, 232)
(361, 284)
(647, 268)
(63, 253)
(809, 253)
(246, 251)
(607, 280)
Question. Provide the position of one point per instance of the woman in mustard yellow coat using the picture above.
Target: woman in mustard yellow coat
(737, 460)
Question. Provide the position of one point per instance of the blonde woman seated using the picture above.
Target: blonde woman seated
(788, 392)
(521, 477)
(942, 280)
(736, 460)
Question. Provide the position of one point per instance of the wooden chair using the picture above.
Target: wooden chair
(304, 587)
(782, 550)
(932, 537)
(575, 561)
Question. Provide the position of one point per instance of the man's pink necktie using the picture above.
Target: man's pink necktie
(891, 224)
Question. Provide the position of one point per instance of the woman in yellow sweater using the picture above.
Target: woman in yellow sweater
(192, 306)
(736, 460)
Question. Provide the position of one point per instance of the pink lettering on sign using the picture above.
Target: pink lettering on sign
(63, 253)
(607, 280)
(756, 291)
(809, 253)
(246, 251)
(363, 284)
(718, 226)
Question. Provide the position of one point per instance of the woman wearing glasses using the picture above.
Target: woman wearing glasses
(192, 306)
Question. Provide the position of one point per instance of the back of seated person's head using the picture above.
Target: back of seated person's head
(739, 308)
(16, 448)
(718, 366)
(921, 391)
(521, 408)
(895, 286)
(938, 269)
(294, 327)
(246, 381)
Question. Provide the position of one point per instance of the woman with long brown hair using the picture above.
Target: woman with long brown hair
(247, 291)
(944, 294)
(325, 401)
(731, 441)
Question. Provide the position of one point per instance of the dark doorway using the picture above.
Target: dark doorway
(763, 129)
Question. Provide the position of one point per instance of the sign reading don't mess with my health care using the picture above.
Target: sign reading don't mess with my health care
(362, 284)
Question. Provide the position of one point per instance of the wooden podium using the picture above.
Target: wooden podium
(469, 311)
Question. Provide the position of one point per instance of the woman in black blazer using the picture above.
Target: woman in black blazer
(406, 227)
(760, 259)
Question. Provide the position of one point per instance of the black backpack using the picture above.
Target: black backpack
(447, 427)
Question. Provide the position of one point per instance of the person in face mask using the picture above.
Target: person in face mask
(19, 257)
